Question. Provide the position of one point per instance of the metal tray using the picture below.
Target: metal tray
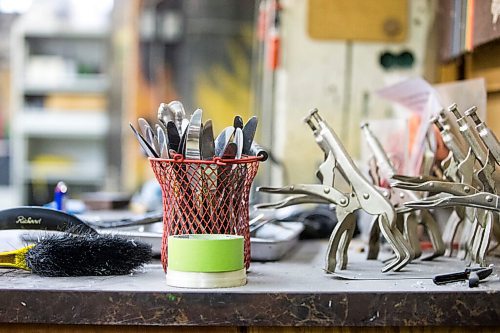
(270, 242)
(273, 240)
(148, 233)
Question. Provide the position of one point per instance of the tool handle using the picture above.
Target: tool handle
(473, 280)
(483, 200)
(378, 151)
(452, 143)
(488, 137)
(369, 198)
(470, 135)
(478, 274)
(450, 277)
(15, 259)
(257, 150)
(39, 218)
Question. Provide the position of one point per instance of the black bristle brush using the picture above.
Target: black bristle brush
(79, 255)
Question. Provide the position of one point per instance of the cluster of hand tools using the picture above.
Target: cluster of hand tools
(173, 134)
(469, 184)
(466, 181)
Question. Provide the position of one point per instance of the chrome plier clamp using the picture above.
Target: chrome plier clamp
(433, 186)
(382, 172)
(482, 200)
(363, 195)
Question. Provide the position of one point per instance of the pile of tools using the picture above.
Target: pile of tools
(466, 181)
(201, 176)
(469, 184)
(173, 134)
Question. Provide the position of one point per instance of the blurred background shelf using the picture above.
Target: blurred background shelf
(62, 124)
(63, 31)
(60, 107)
(80, 84)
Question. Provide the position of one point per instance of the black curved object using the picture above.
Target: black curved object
(257, 150)
(40, 218)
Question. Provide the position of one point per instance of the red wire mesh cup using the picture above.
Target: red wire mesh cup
(205, 197)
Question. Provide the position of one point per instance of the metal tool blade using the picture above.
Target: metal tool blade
(207, 144)
(193, 136)
(173, 136)
(184, 125)
(164, 114)
(326, 170)
(223, 139)
(291, 201)
(162, 140)
(144, 125)
(238, 139)
(148, 134)
(151, 139)
(179, 114)
(144, 144)
(182, 144)
(248, 134)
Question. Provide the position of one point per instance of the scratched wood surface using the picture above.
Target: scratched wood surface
(369, 329)
(34, 328)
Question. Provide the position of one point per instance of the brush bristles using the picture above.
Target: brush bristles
(87, 255)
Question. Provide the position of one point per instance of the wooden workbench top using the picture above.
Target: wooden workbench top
(290, 292)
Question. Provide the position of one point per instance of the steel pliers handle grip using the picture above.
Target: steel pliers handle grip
(482, 200)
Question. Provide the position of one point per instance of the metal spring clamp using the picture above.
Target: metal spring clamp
(363, 195)
(472, 193)
(408, 220)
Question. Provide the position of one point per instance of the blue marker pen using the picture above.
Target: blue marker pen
(59, 194)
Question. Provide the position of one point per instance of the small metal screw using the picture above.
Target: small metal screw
(366, 196)
(292, 187)
(466, 189)
(326, 190)
(436, 122)
(454, 109)
(401, 195)
(472, 113)
(489, 198)
(310, 123)
(343, 201)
